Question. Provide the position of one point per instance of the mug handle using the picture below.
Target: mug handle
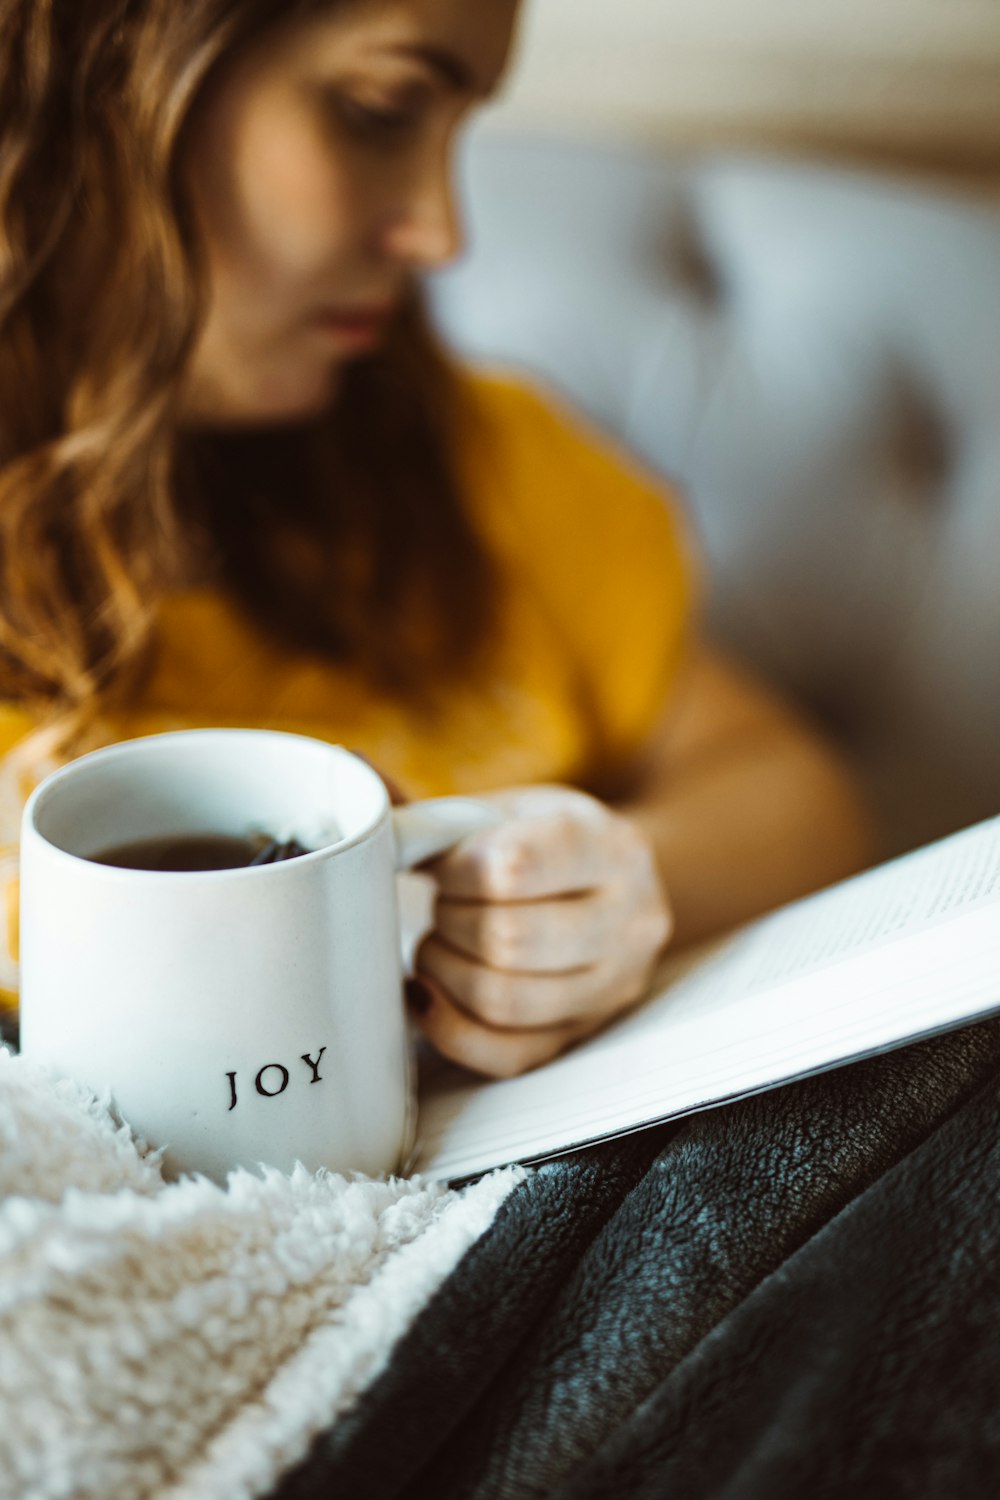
(422, 830)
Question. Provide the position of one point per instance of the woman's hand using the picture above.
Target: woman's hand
(546, 927)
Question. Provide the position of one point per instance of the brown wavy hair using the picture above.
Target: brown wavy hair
(337, 534)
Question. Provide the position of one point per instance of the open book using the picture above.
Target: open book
(900, 952)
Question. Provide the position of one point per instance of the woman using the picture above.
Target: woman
(240, 484)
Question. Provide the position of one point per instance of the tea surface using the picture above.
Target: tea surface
(209, 851)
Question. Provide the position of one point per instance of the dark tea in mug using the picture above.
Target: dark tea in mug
(198, 851)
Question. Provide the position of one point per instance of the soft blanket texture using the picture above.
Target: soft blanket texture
(183, 1340)
(795, 1296)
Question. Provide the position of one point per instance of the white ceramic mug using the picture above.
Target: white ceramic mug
(237, 1016)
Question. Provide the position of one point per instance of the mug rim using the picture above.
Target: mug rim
(50, 785)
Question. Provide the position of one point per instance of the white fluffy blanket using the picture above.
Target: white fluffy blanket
(183, 1340)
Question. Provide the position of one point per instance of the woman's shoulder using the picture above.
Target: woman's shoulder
(559, 481)
(521, 414)
(605, 546)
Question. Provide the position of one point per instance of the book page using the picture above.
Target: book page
(870, 963)
(887, 902)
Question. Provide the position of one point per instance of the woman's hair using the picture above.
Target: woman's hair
(347, 534)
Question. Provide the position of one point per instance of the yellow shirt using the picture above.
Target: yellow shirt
(598, 583)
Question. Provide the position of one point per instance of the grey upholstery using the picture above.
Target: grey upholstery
(814, 356)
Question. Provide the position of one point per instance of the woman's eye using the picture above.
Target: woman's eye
(377, 121)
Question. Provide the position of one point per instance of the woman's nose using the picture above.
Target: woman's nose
(426, 231)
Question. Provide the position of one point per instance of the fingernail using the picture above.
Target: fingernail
(418, 997)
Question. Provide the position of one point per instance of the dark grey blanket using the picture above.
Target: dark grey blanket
(796, 1296)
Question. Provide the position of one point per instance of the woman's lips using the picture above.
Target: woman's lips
(356, 328)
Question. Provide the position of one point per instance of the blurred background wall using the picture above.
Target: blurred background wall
(909, 83)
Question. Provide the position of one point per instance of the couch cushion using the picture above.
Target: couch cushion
(814, 355)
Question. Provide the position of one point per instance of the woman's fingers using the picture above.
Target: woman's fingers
(514, 1001)
(556, 841)
(545, 927)
(485, 1049)
(531, 937)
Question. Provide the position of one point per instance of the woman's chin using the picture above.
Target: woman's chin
(273, 404)
(297, 401)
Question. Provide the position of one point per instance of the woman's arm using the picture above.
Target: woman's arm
(549, 925)
(745, 805)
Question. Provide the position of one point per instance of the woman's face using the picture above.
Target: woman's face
(320, 175)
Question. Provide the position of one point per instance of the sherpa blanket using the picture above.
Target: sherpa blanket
(184, 1340)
